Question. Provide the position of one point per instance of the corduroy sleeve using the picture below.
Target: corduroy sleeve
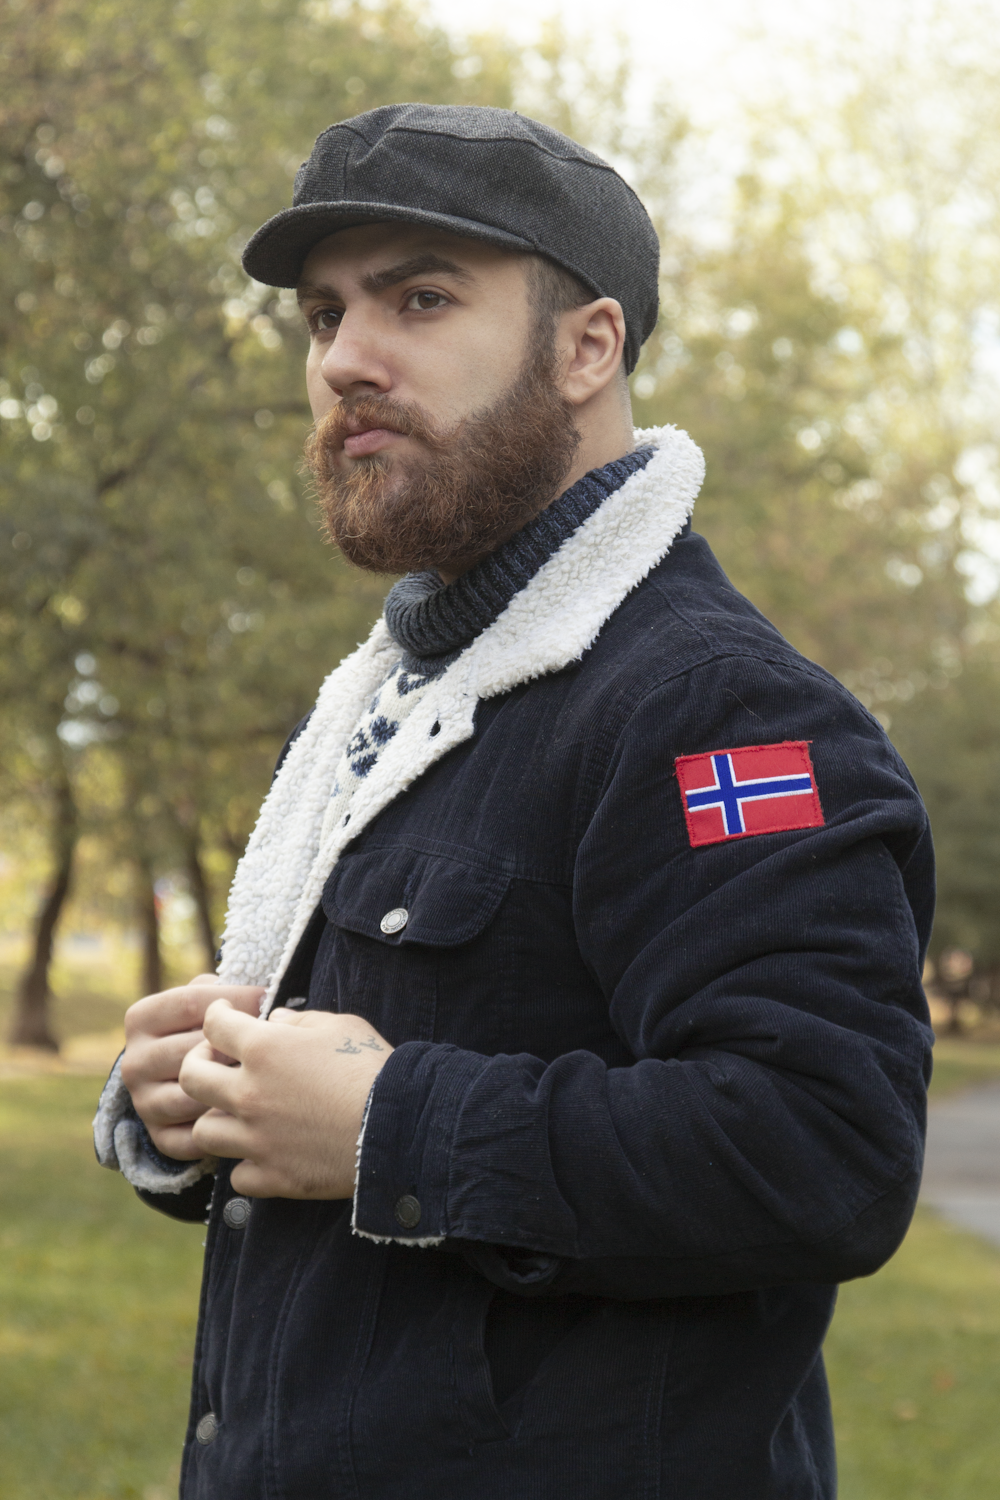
(769, 988)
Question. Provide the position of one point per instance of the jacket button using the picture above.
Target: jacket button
(395, 920)
(207, 1428)
(407, 1211)
(237, 1212)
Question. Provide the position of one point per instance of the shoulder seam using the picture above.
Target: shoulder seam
(802, 665)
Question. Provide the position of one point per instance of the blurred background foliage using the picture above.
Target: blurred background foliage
(167, 607)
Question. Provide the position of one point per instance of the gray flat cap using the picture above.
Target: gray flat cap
(486, 173)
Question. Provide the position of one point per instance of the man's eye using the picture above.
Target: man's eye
(425, 301)
(325, 319)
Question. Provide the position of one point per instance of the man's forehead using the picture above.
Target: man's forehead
(367, 248)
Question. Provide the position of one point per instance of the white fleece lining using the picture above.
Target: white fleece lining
(119, 1144)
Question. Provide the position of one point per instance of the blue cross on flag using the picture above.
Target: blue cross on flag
(730, 794)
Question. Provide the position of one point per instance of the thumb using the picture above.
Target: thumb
(229, 1030)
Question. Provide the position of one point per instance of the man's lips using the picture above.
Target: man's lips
(357, 444)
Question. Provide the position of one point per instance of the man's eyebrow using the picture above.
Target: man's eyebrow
(379, 281)
(308, 289)
(417, 265)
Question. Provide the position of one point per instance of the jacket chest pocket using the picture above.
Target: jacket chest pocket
(401, 923)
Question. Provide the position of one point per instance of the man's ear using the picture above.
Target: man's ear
(590, 343)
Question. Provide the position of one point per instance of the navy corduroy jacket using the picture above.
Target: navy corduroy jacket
(653, 1099)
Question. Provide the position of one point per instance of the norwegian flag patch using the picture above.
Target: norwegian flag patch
(731, 794)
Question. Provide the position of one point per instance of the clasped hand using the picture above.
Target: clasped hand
(285, 1096)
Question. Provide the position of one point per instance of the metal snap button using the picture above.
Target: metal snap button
(395, 920)
(408, 1211)
(207, 1429)
(237, 1212)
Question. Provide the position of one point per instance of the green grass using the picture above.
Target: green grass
(914, 1364)
(914, 1352)
(98, 1297)
(961, 1062)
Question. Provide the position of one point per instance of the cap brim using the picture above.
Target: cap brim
(275, 254)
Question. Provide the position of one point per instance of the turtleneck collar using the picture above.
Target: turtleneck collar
(433, 621)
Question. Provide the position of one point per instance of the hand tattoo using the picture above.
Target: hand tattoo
(369, 1042)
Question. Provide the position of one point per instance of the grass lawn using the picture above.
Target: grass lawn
(960, 1063)
(914, 1364)
(98, 1298)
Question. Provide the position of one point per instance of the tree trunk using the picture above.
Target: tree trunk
(31, 1026)
(200, 895)
(149, 926)
(954, 994)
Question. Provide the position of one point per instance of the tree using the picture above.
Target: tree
(834, 360)
(161, 574)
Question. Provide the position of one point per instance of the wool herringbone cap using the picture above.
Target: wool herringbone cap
(486, 173)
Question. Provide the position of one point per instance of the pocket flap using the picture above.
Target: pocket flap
(421, 898)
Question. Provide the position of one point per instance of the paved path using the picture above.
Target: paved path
(962, 1167)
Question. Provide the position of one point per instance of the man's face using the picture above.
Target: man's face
(439, 427)
(414, 314)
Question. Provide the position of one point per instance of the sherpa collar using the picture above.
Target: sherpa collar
(433, 621)
(552, 621)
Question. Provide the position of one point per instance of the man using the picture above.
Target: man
(584, 918)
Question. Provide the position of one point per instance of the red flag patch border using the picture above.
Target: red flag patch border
(779, 796)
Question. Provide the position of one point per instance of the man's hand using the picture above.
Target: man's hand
(159, 1033)
(291, 1109)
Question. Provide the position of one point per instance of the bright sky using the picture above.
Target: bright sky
(701, 47)
(692, 43)
(712, 54)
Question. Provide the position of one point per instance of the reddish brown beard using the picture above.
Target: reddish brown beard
(479, 483)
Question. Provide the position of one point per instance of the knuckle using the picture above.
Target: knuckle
(132, 1070)
(213, 1010)
(252, 1051)
(192, 1008)
(140, 1018)
(249, 1101)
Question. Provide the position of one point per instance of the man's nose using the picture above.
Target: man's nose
(355, 360)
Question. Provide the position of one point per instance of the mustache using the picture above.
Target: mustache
(471, 487)
(365, 412)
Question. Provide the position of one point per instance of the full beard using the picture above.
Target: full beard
(478, 484)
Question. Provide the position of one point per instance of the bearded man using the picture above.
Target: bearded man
(568, 1046)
